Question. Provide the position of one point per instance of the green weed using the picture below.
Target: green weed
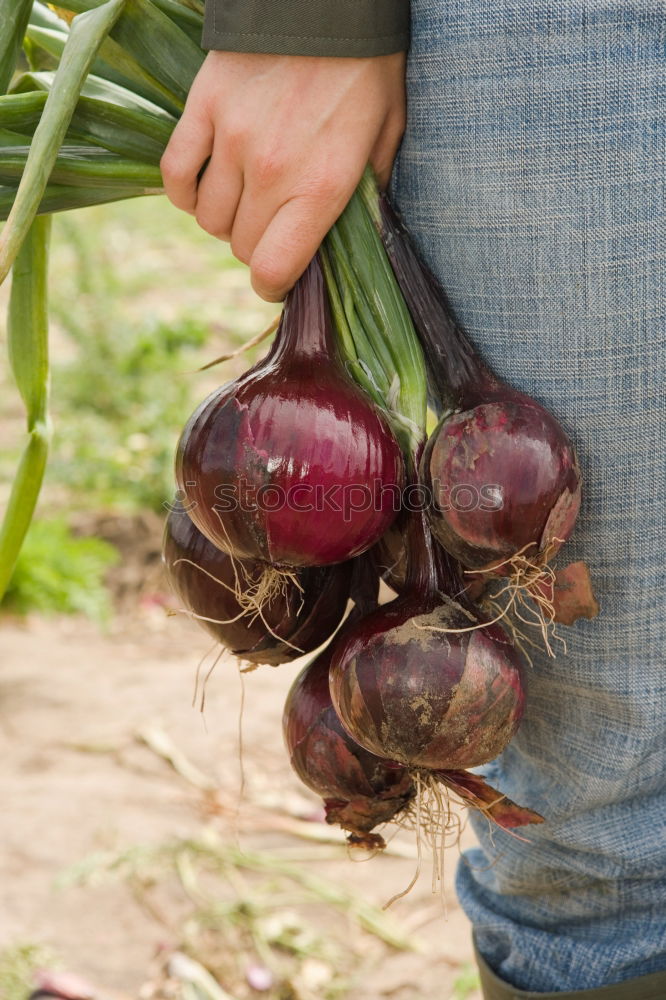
(466, 982)
(17, 965)
(57, 572)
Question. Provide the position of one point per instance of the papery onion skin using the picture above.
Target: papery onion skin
(504, 479)
(295, 435)
(407, 691)
(304, 618)
(359, 790)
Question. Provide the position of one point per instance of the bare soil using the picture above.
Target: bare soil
(78, 778)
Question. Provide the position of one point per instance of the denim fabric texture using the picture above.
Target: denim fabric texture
(533, 177)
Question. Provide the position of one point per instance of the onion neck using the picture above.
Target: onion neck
(458, 377)
(305, 331)
(431, 571)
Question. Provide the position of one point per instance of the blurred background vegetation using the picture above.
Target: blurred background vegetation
(140, 299)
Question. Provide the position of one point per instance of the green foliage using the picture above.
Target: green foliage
(466, 982)
(120, 402)
(85, 37)
(57, 572)
(18, 963)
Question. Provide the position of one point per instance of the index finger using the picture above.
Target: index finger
(189, 148)
(291, 240)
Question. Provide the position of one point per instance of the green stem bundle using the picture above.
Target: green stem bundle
(373, 324)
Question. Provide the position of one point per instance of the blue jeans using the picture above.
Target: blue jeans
(533, 177)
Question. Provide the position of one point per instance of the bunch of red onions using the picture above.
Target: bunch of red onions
(312, 458)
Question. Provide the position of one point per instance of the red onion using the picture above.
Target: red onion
(504, 476)
(359, 790)
(292, 464)
(423, 681)
(300, 616)
(504, 480)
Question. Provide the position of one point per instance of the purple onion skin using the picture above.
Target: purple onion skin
(427, 699)
(359, 790)
(504, 478)
(299, 425)
(500, 437)
(305, 619)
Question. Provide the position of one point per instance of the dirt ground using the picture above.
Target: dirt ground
(78, 778)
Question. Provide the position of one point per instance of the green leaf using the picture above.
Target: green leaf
(117, 65)
(112, 63)
(27, 335)
(187, 15)
(95, 87)
(189, 19)
(27, 323)
(176, 9)
(156, 42)
(81, 165)
(86, 35)
(159, 46)
(131, 132)
(21, 111)
(43, 17)
(9, 138)
(14, 15)
(65, 197)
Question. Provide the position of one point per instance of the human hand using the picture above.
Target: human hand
(288, 138)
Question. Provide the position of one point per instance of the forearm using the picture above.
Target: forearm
(308, 27)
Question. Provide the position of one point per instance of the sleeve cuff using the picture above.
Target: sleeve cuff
(308, 27)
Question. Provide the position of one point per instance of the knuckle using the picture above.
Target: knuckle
(236, 132)
(269, 166)
(172, 168)
(327, 188)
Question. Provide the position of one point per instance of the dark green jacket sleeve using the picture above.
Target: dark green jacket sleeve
(308, 27)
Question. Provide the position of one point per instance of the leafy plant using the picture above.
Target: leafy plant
(123, 393)
(57, 572)
(465, 983)
(17, 965)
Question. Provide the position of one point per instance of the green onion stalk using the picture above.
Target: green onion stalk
(374, 328)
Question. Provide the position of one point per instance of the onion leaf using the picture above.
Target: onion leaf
(14, 15)
(67, 197)
(80, 165)
(148, 34)
(27, 331)
(86, 35)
